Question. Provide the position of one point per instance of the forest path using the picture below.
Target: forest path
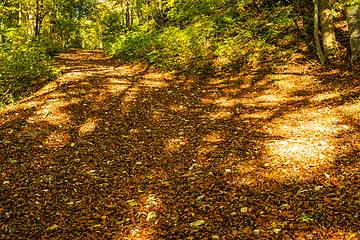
(118, 151)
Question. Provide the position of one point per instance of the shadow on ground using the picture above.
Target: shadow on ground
(116, 151)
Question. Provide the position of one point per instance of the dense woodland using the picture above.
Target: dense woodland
(179, 119)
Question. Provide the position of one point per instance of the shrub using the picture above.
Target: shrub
(19, 65)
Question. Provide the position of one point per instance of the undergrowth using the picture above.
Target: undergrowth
(223, 35)
(20, 66)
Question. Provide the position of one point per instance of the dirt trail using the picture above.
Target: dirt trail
(116, 151)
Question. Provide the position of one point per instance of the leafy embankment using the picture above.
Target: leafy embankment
(203, 37)
(25, 62)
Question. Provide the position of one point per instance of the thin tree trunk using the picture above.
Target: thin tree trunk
(127, 16)
(2, 36)
(20, 14)
(37, 19)
(353, 16)
(316, 32)
(156, 13)
(327, 29)
(31, 19)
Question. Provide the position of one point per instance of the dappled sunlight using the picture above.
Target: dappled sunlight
(178, 108)
(220, 114)
(46, 89)
(226, 102)
(88, 126)
(325, 96)
(128, 70)
(117, 86)
(269, 100)
(154, 83)
(256, 116)
(213, 137)
(206, 148)
(207, 101)
(27, 106)
(175, 144)
(52, 113)
(134, 154)
(308, 144)
(56, 140)
(350, 110)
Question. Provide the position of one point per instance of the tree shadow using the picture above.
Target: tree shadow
(128, 153)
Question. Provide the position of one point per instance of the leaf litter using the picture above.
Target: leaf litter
(128, 153)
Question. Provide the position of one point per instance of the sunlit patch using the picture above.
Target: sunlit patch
(221, 114)
(350, 111)
(128, 70)
(178, 108)
(153, 76)
(116, 85)
(258, 115)
(206, 148)
(175, 144)
(51, 112)
(129, 96)
(270, 100)
(88, 126)
(153, 83)
(56, 140)
(216, 81)
(75, 74)
(326, 96)
(27, 106)
(207, 101)
(225, 102)
(118, 81)
(213, 137)
(245, 169)
(309, 141)
(221, 61)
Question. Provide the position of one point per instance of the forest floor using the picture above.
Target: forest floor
(116, 151)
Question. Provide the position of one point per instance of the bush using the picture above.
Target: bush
(169, 49)
(19, 65)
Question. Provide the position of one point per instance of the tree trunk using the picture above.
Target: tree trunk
(327, 29)
(2, 36)
(156, 13)
(127, 16)
(353, 16)
(31, 19)
(20, 14)
(37, 19)
(316, 32)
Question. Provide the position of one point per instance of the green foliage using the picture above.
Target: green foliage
(19, 65)
(90, 33)
(112, 25)
(171, 48)
(208, 35)
(49, 46)
(350, 2)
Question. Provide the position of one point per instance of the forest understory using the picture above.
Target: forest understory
(117, 151)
